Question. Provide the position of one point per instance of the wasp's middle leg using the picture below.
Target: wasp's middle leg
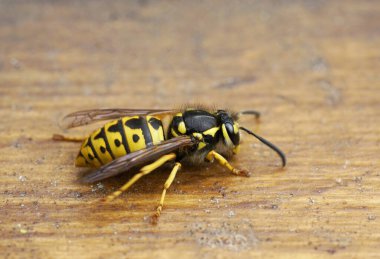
(167, 184)
(143, 171)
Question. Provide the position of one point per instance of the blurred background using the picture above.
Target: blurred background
(170, 52)
(310, 66)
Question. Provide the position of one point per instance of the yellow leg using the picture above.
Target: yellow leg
(59, 137)
(214, 155)
(143, 171)
(166, 186)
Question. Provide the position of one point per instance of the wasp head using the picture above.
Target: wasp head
(230, 130)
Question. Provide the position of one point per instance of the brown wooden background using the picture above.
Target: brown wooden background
(311, 67)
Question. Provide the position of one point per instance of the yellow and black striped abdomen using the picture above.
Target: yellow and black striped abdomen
(118, 138)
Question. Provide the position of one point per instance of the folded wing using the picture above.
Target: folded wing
(139, 158)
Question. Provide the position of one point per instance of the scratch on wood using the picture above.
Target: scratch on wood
(333, 94)
(233, 82)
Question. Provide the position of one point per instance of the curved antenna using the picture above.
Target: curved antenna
(250, 112)
(266, 142)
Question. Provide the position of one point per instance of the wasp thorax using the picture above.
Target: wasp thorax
(201, 125)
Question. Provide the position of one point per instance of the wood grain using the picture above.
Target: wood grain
(311, 68)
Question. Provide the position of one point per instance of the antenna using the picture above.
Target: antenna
(269, 144)
(250, 112)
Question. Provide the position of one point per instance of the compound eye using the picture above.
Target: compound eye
(231, 134)
(229, 128)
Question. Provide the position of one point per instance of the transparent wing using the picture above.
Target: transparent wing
(81, 118)
(141, 157)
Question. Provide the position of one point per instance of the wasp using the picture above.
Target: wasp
(149, 138)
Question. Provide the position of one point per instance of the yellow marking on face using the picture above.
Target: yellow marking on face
(211, 131)
(236, 149)
(226, 137)
(236, 128)
(182, 127)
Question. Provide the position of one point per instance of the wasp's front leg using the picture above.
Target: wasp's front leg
(214, 155)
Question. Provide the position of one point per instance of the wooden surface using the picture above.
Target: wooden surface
(311, 68)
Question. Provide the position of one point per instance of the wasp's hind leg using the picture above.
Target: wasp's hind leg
(59, 137)
(166, 186)
(143, 171)
(214, 155)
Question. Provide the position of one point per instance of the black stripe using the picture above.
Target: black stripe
(146, 132)
(142, 124)
(102, 134)
(114, 127)
(175, 124)
(123, 137)
(89, 143)
(85, 159)
(81, 154)
(155, 123)
(118, 127)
